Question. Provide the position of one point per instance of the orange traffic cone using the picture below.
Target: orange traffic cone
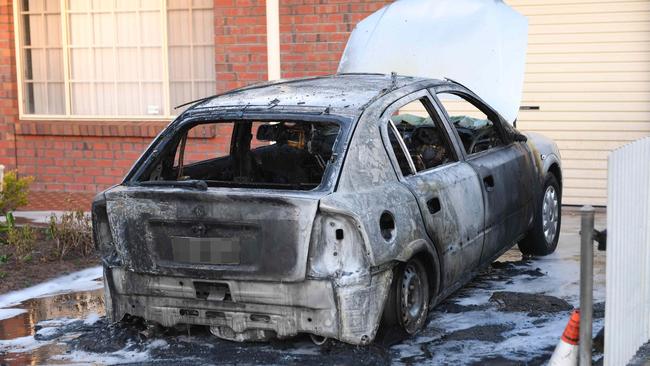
(566, 352)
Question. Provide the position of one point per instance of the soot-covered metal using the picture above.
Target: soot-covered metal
(309, 221)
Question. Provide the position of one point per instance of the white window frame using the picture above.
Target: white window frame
(18, 32)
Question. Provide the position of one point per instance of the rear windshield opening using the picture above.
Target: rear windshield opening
(279, 155)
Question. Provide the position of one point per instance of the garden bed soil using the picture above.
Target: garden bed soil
(43, 265)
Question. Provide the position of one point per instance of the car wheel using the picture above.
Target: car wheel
(543, 236)
(407, 305)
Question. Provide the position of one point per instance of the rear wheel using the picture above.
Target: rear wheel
(543, 236)
(407, 305)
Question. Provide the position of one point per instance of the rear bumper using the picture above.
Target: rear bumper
(252, 310)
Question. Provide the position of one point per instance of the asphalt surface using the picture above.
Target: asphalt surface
(512, 313)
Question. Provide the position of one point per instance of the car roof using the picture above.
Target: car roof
(340, 93)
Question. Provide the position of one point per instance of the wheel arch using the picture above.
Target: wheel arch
(557, 172)
(428, 254)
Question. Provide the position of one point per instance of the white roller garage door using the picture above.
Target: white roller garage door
(588, 71)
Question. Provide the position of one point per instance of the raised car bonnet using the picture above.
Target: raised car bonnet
(479, 43)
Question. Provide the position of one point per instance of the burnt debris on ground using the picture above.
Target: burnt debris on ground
(484, 333)
(533, 304)
(186, 345)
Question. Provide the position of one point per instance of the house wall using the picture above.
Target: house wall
(588, 70)
(8, 87)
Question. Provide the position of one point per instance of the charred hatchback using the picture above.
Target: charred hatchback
(344, 206)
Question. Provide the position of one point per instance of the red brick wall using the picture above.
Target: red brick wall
(240, 43)
(92, 155)
(71, 163)
(8, 88)
(314, 33)
(80, 155)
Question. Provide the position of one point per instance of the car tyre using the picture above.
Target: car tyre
(407, 305)
(543, 236)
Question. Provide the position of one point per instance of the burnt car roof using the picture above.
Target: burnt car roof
(341, 93)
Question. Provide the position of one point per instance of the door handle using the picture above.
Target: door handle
(433, 205)
(488, 182)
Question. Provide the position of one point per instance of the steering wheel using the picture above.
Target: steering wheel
(480, 138)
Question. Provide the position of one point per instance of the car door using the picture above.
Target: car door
(502, 165)
(447, 189)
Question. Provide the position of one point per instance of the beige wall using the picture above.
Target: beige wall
(588, 69)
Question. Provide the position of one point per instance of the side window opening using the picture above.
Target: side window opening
(279, 154)
(424, 139)
(476, 130)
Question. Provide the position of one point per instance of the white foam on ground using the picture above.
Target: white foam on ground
(58, 322)
(115, 358)
(21, 344)
(92, 319)
(524, 340)
(47, 332)
(10, 313)
(49, 328)
(119, 357)
(561, 279)
(84, 280)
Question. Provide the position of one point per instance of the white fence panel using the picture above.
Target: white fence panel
(627, 306)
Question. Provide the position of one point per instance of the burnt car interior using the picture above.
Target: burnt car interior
(278, 155)
(426, 143)
(475, 128)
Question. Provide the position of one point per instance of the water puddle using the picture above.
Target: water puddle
(45, 315)
(78, 305)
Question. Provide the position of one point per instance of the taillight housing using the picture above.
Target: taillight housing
(101, 229)
(337, 247)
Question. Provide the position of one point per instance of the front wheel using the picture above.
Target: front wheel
(543, 236)
(407, 305)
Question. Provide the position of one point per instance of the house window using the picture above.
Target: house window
(114, 58)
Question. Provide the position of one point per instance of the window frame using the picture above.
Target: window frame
(402, 146)
(479, 104)
(429, 103)
(153, 154)
(65, 50)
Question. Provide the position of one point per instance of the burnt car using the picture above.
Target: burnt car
(342, 207)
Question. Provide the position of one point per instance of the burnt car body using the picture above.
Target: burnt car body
(332, 224)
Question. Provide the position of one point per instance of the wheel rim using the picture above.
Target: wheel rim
(412, 302)
(550, 214)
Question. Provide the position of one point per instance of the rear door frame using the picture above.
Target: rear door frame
(454, 256)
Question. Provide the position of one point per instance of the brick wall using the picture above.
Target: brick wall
(314, 33)
(92, 155)
(8, 88)
(240, 43)
(80, 155)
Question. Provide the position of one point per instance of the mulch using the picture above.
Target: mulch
(43, 265)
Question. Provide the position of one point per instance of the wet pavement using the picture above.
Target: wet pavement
(512, 313)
